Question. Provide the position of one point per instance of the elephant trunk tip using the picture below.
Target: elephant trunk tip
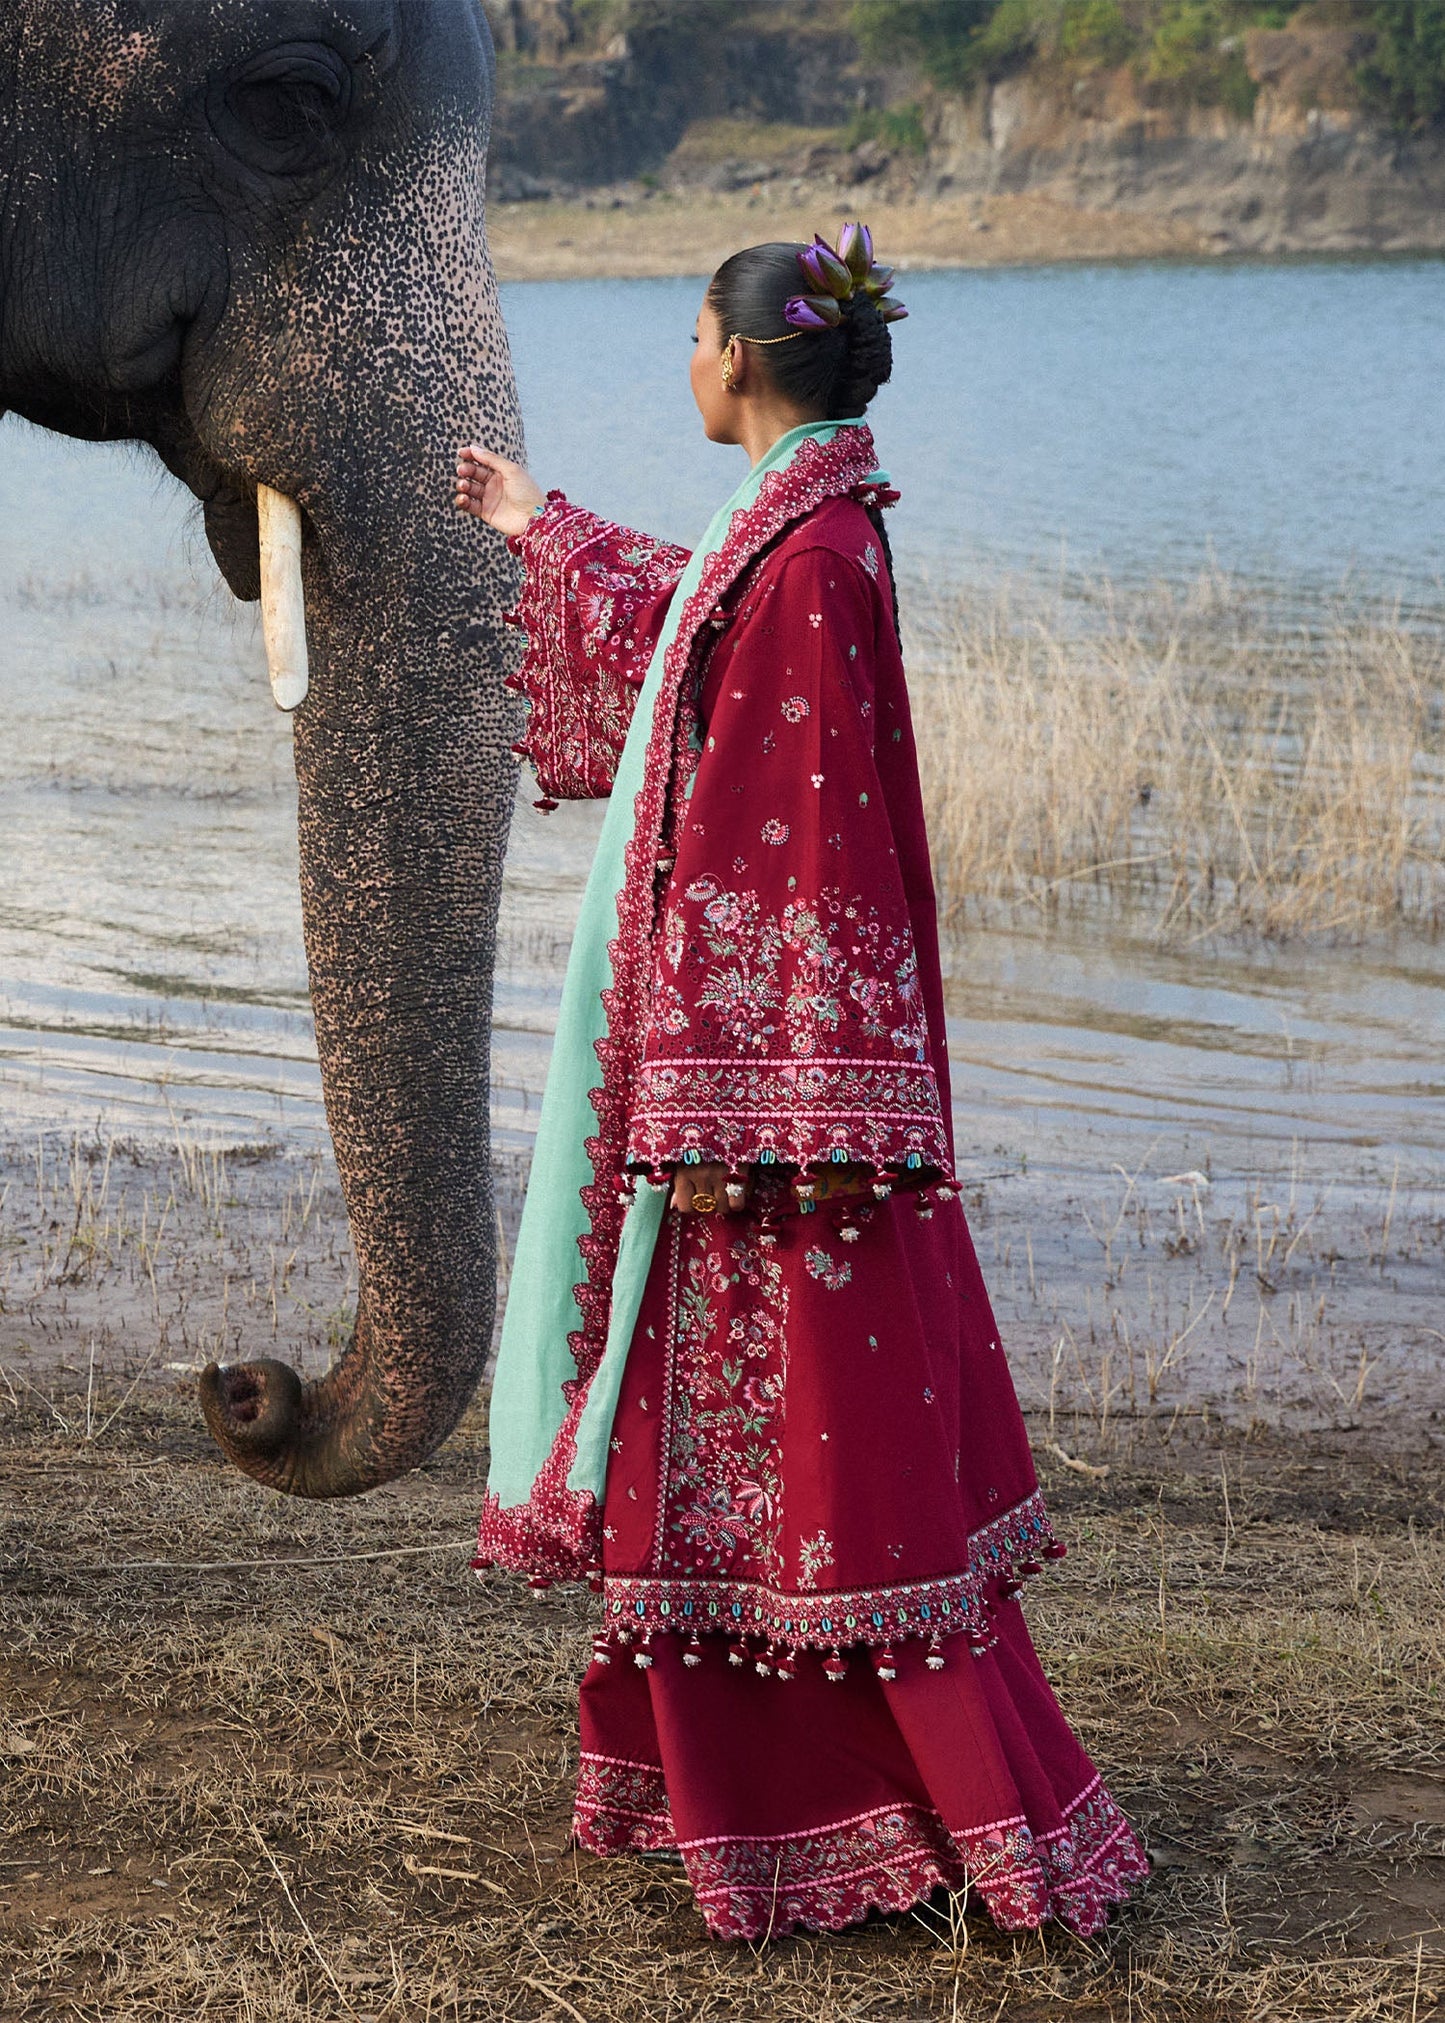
(256, 1414)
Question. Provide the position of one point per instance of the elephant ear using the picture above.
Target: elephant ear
(233, 535)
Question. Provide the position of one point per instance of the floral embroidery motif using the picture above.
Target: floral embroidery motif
(829, 1271)
(815, 1556)
(724, 1456)
(774, 831)
(796, 708)
(622, 1808)
(815, 619)
(792, 965)
(798, 1113)
(669, 1009)
(871, 559)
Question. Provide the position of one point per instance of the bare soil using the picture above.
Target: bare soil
(270, 1760)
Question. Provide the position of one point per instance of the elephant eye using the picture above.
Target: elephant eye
(280, 112)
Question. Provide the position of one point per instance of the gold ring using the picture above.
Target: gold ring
(704, 1204)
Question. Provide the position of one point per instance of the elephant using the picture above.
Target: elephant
(251, 233)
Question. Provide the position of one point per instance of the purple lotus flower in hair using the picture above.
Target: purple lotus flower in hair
(826, 271)
(891, 310)
(877, 281)
(813, 312)
(855, 250)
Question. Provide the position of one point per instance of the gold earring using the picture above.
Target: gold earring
(727, 364)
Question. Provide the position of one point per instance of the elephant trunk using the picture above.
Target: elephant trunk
(404, 792)
(406, 781)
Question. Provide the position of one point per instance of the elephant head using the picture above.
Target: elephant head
(251, 234)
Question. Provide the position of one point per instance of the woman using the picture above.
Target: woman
(773, 1425)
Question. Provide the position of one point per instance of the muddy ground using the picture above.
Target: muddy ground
(269, 1760)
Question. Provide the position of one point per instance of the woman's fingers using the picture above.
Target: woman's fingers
(687, 1183)
(494, 489)
(723, 1192)
(471, 485)
(477, 496)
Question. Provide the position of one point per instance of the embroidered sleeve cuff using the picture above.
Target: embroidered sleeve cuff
(881, 1114)
(543, 522)
(589, 604)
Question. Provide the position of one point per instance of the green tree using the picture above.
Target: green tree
(1193, 58)
(898, 127)
(1016, 32)
(650, 19)
(959, 41)
(935, 34)
(1405, 75)
(1095, 34)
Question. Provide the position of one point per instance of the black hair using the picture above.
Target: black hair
(834, 372)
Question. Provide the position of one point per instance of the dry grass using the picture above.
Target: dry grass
(150, 1261)
(250, 1773)
(116, 1258)
(1193, 764)
(1276, 1303)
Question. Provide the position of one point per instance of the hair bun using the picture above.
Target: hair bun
(868, 363)
(833, 363)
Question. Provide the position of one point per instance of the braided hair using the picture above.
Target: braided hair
(833, 372)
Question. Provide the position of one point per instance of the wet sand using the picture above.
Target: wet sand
(1296, 1300)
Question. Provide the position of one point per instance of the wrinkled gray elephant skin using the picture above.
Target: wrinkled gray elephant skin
(251, 233)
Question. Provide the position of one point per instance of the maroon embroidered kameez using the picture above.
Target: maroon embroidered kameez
(813, 1678)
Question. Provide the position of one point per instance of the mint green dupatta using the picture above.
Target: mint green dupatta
(535, 1360)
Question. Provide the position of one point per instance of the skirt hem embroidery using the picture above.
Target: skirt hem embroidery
(888, 1859)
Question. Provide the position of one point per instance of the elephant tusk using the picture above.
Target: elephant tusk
(283, 607)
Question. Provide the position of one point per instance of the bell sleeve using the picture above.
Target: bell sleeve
(594, 597)
(787, 1020)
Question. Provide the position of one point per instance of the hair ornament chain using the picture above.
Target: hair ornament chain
(839, 275)
(739, 337)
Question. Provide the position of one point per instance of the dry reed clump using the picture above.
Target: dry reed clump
(269, 1761)
(1191, 763)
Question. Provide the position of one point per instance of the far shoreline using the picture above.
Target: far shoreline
(634, 233)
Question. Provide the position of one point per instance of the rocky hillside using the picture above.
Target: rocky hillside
(1259, 128)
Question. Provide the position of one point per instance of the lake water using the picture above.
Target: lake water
(1285, 423)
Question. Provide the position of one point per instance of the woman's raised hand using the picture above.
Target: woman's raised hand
(493, 489)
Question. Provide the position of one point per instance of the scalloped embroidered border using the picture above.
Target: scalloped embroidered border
(872, 1113)
(888, 1858)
